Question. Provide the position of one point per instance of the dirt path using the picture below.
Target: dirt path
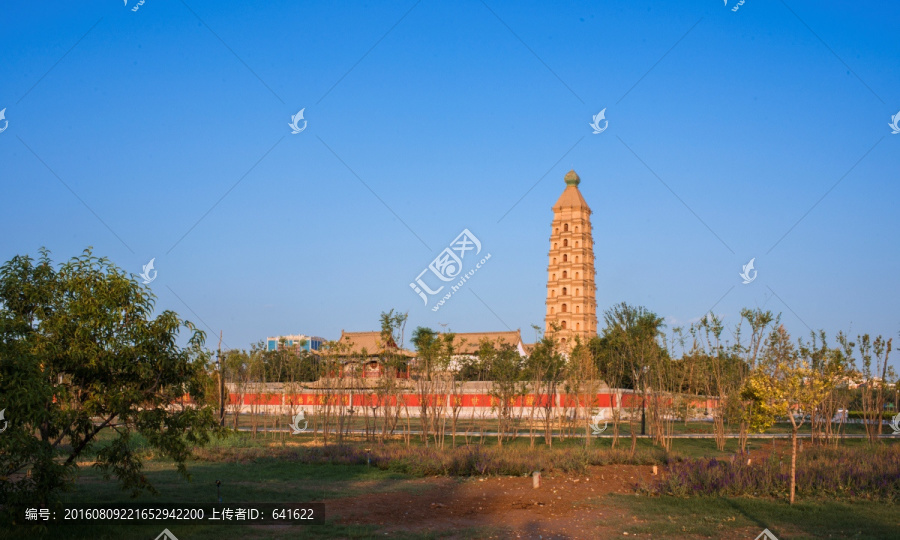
(565, 506)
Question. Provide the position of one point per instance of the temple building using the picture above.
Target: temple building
(571, 293)
(365, 355)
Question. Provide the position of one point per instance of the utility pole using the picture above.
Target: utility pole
(220, 368)
(644, 402)
(643, 418)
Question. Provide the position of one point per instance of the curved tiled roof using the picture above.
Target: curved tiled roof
(370, 342)
(470, 342)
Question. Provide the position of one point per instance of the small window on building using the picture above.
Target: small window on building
(564, 291)
(564, 327)
(565, 258)
(564, 308)
(577, 326)
(565, 274)
(577, 309)
(565, 243)
(566, 227)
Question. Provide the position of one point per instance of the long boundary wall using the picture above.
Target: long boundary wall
(473, 400)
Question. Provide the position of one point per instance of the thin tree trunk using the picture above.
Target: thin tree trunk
(793, 463)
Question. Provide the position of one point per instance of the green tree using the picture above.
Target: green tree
(875, 377)
(428, 349)
(583, 383)
(395, 361)
(393, 326)
(81, 355)
(828, 366)
(628, 346)
(505, 371)
(544, 370)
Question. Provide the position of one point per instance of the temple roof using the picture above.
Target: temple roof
(571, 196)
(470, 342)
(370, 342)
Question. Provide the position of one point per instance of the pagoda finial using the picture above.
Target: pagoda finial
(572, 178)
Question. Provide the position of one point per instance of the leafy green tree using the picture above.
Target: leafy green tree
(427, 345)
(81, 355)
(583, 383)
(393, 326)
(627, 347)
(237, 367)
(828, 366)
(434, 381)
(389, 389)
(544, 370)
(873, 386)
(505, 371)
(428, 349)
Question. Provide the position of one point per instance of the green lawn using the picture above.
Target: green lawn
(474, 425)
(265, 480)
(708, 517)
(270, 473)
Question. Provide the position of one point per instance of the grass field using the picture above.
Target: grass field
(708, 517)
(265, 480)
(260, 470)
(521, 425)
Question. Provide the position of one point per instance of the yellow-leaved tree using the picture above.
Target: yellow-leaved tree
(783, 384)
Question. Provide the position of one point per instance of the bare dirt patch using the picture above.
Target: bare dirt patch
(565, 506)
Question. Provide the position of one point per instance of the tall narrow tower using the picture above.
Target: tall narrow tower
(571, 300)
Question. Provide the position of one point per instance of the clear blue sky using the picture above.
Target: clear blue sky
(732, 135)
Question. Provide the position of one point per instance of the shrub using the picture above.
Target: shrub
(856, 473)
